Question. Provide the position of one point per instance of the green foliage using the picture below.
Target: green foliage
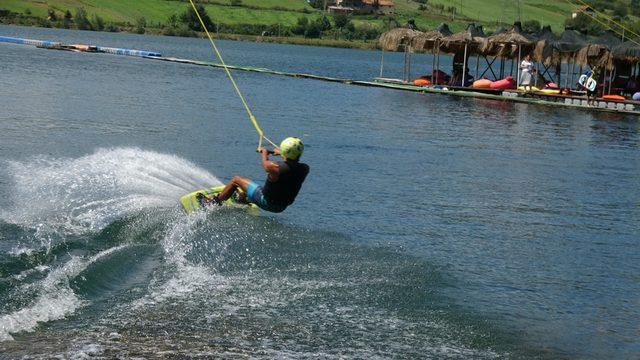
(236, 2)
(190, 19)
(81, 20)
(583, 23)
(531, 26)
(173, 20)
(27, 12)
(301, 26)
(51, 15)
(340, 20)
(111, 27)
(98, 23)
(141, 24)
(324, 23)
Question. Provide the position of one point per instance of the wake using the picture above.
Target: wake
(90, 192)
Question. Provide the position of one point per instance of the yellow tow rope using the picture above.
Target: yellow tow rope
(233, 81)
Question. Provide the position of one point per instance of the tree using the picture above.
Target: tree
(141, 24)
(313, 30)
(98, 23)
(190, 18)
(66, 20)
(301, 27)
(340, 20)
(324, 23)
(81, 20)
(531, 26)
(173, 21)
(620, 10)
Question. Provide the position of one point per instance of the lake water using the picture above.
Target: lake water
(429, 227)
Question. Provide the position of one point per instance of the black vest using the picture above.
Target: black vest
(290, 178)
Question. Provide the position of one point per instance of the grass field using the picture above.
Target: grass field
(286, 12)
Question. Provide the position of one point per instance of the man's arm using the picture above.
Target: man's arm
(269, 166)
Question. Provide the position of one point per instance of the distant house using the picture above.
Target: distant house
(582, 9)
(372, 6)
(340, 10)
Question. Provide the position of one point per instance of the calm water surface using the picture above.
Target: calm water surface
(430, 226)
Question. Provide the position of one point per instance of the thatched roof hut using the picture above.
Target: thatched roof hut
(431, 39)
(473, 39)
(396, 39)
(543, 50)
(598, 51)
(627, 51)
(509, 44)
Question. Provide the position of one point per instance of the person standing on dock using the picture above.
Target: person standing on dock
(526, 78)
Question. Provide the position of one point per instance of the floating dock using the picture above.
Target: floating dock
(601, 105)
(79, 47)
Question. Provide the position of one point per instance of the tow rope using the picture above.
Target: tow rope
(253, 119)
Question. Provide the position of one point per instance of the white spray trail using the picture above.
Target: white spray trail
(91, 191)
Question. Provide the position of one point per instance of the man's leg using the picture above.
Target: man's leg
(230, 188)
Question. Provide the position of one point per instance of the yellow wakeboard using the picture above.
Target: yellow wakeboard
(195, 200)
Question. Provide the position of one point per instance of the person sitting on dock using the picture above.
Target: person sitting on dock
(284, 179)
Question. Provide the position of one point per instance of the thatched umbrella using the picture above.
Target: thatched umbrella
(543, 49)
(471, 40)
(598, 51)
(627, 51)
(508, 44)
(395, 39)
(565, 49)
(430, 39)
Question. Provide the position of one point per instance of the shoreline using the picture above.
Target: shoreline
(292, 40)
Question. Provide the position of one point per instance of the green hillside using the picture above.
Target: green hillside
(283, 18)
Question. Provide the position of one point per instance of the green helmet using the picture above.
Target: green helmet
(291, 148)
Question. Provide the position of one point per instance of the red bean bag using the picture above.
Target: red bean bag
(613, 97)
(506, 83)
(482, 84)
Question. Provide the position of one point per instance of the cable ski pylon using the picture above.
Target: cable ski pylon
(253, 119)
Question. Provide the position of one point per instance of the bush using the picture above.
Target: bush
(141, 24)
(313, 30)
(340, 20)
(98, 23)
(81, 20)
(301, 27)
(531, 26)
(324, 23)
(111, 27)
(51, 15)
(236, 2)
(190, 18)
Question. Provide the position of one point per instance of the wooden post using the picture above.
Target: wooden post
(382, 63)
(475, 75)
(409, 63)
(433, 60)
(573, 70)
(519, 56)
(464, 65)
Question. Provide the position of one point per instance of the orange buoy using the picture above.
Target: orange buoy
(421, 82)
